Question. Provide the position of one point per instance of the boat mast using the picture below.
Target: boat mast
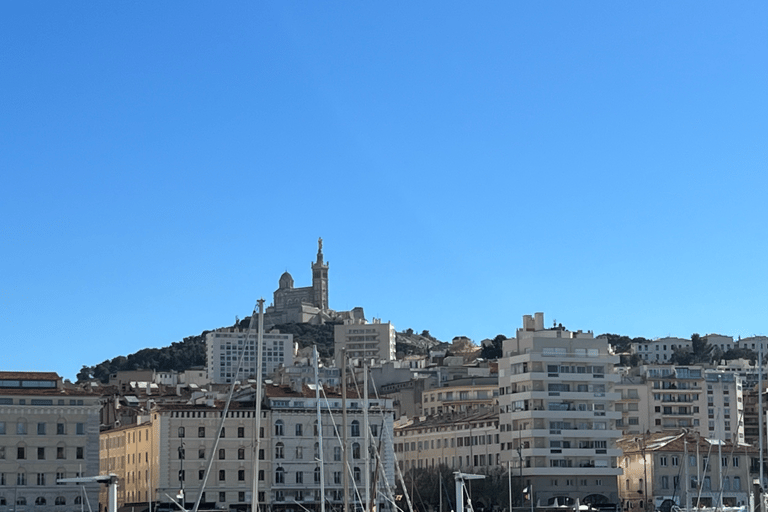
(344, 427)
(319, 460)
(761, 423)
(366, 453)
(257, 426)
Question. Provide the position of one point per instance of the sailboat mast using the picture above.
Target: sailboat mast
(319, 460)
(344, 427)
(257, 424)
(367, 451)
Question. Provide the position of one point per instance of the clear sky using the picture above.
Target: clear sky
(466, 163)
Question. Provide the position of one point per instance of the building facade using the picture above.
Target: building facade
(556, 396)
(364, 341)
(47, 432)
(224, 348)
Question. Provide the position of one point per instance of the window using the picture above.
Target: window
(298, 429)
(279, 451)
(241, 454)
(665, 482)
(41, 429)
(182, 476)
(737, 483)
(356, 473)
(61, 429)
(200, 474)
(2, 428)
(40, 501)
(21, 428)
(21, 479)
(201, 452)
(241, 496)
(223, 497)
(200, 431)
(241, 475)
(21, 452)
(279, 428)
(222, 475)
(80, 430)
(79, 452)
(181, 431)
(41, 479)
(355, 428)
(355, 450)
(337, 453)
(222, 454)
(279, 476)
(299, 477)
(40, 453)
(337, 477)
(317, 475)
(240, 431)
(299, 453)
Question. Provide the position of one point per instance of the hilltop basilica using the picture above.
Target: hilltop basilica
(308, 304)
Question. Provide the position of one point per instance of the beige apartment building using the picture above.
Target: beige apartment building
(684, 469)
(467, 442)
(48, 431)
(556, 398)
(462, 395)
(132, 453)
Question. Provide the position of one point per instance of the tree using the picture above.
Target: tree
(493, 350)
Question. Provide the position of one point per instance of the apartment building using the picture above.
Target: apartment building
(48, 431)
(189, 439)
(462, 395)
(684, 469)
(725, 406)
(224, 348)
(131, 453)
(633, 402)
(660, 350)
(298, 460)
(677, 396)
(466, 442)
(556, 396)
(364, 341)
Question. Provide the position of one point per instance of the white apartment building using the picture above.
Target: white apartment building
(725, 406)
(556, 395)
(47, 432)
(224, 348)
(756, 343)
(364, 341)
(660, 350)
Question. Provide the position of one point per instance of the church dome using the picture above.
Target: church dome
(286, 281)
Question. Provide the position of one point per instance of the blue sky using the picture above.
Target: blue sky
(162, 164)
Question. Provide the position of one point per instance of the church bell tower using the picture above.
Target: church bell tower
(320, 279)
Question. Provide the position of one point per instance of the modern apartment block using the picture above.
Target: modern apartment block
(364, 341)
(48, 431)
(224, 348)
(556, 395)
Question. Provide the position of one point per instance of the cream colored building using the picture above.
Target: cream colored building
(132, 453)
(556, 398)
(462, 395)
(660, 350)
(467, 442)
(48, 431)
(678, 468)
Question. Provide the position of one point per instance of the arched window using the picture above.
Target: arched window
(279, 476)
(279, 451)
(279, 428)
(355, 450)
(355, 428)
(60, 500)
(356, 473)
(78, 500)
(21, 500)
(39, 500)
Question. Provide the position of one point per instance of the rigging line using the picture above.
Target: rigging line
(348, 469)
(704, 476)
(733, 448)
(226, 409)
